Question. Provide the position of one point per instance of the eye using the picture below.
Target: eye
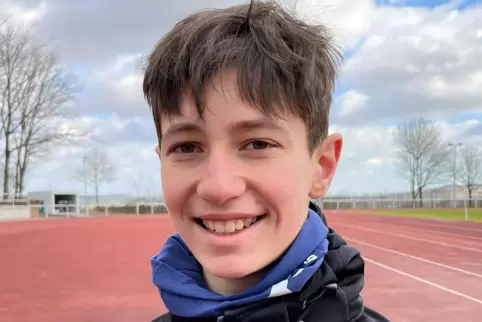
(259, 145)
(186, 148)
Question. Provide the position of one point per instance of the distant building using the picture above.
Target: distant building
(55, 202)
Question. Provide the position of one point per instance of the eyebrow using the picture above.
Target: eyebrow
(263, 123)
(181, 127)
(240, 126)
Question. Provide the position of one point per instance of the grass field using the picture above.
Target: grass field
(474, 214)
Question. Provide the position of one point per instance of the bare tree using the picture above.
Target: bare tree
(407, 168)
(422, 157)
(44, 115)
(14, 51)
(97, 169)
(471, 168)
(7, 196)
(146, 187)
(34, 94)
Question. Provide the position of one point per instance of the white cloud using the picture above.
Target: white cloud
(349, 20)
(417, 62)
(374, 161)
(123, 76)
(22, 15)
(352, 102)
(130, 87)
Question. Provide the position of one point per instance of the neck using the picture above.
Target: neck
(231, 286)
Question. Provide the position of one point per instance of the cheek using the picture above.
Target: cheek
(286, 185)
(175, 184)
(289, 178)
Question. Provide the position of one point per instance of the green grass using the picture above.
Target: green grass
(474, 214)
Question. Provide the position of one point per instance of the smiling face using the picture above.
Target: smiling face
(237, 183)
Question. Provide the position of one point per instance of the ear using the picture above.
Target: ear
(158, 151)
(325, 162)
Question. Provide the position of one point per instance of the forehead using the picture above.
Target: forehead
(223, 109)
(222, 114)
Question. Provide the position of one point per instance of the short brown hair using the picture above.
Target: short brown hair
(282, 63)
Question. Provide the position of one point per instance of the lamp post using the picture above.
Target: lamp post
(84, 160)
(454, 146)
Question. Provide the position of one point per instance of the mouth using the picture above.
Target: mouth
(228, 227)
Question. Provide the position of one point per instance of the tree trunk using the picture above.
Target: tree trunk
(469, 188)
(23, 171)
(97, 195)
(6, 168)
(420, 195)
(17, 173)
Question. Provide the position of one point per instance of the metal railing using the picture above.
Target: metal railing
(153, 208)
(82, 210)
(12, 199)
(373, 203)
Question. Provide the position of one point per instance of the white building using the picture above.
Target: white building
(56, 202)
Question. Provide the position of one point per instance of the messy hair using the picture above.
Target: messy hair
(282, 63)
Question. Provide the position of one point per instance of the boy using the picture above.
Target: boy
(240, 98)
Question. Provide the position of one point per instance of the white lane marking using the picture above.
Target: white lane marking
(431, 231)
(389, 250)
(419, 279)
(450, 225)
(413, 238)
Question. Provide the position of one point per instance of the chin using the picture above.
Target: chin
(232, 270)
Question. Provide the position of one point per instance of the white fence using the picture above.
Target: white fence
(16, 209)
(146, 208)
(11, 196)
(373, 203)
(18, 212)
(71, 210)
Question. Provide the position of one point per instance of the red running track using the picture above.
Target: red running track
(97, 269)
(417, 270)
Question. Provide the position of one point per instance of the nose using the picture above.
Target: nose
(220, 182)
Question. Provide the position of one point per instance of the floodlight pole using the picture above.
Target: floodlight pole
(454, 146)
(84, 160)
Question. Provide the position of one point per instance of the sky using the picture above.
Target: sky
(402, 59)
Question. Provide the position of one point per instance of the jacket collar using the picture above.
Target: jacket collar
(285, 309)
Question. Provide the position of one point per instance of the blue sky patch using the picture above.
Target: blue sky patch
(464, 116)
(423, 3)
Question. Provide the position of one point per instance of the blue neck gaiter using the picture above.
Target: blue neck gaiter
(178, 275)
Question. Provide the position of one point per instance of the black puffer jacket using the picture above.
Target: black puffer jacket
(331, 295)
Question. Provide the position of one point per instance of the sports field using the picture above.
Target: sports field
(97, 269)
(473, 214)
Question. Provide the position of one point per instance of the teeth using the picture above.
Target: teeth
(239, 225)
(228, 226)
